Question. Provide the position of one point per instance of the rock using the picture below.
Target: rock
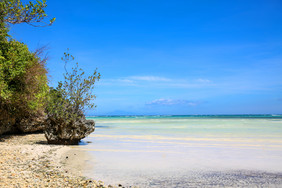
(14, 124)
(32, 124)
(7, 126)
(59, 131)
(7, 123)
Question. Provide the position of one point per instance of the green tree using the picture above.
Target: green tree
(66, 123)
(23, 80)
(72, 96)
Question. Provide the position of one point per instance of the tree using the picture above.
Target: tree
(23, 79)
(67, 104)
(73, 94)
(23, 83)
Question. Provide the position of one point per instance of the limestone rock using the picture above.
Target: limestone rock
(7, 123)
(13, 124)
(7, 126)
(57, 131)
(32, 124)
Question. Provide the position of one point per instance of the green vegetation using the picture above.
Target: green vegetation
(25, 96)
(66, 122)
(69, 100)
(14, 12)
(23, 80)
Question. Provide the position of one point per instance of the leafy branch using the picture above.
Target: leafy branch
(72, 96)
(32, 13)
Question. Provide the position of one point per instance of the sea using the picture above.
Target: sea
(176, 151)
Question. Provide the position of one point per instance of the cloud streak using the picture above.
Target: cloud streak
(157, 81)
(172, 102)
(149, 78)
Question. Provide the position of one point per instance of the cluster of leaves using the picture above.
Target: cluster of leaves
(3, 26)
(32, 13)
(23, 80)
(72, 96)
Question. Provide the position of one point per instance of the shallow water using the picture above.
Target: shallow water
(137, 149)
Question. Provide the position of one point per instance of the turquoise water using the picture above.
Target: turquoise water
(136, 149)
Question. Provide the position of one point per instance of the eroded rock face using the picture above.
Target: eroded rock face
(10, 124)
(32, 124)
(6, 122)
(57, 131)
(7, 126)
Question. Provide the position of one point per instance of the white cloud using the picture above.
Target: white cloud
(201, 80)
(157, 81)
(149, 78)
(170, 102)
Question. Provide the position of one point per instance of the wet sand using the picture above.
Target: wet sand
(183, 152)
(176, 177)
(27, 161)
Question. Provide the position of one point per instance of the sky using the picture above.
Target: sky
(169, 57)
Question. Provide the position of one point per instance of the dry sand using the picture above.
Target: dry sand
(27, 161)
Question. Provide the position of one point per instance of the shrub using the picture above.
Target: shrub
(72, 96)
(66, 123)
(23, 80)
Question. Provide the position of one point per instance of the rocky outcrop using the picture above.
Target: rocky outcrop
(32, 124)
(6, 121)
(9, 124)
(58, 131)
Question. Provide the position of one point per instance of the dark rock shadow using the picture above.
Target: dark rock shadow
(42, 143)
(80, 143)
(103, 127)
(84, 143)
(7, 136)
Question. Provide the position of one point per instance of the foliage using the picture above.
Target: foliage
(32, 13)
(3, 28)
(73, 95)
(14, 12)
(23, 80)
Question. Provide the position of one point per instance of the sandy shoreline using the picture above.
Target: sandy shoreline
(27, 161)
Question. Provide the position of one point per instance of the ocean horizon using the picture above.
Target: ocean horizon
(198, 115)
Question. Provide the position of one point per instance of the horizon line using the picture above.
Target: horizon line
(189, 115)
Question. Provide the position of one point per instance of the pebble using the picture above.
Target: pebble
(24, 163)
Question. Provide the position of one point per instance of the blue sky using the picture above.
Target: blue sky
(169, 57)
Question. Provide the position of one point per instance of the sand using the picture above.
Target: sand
(27, 161)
